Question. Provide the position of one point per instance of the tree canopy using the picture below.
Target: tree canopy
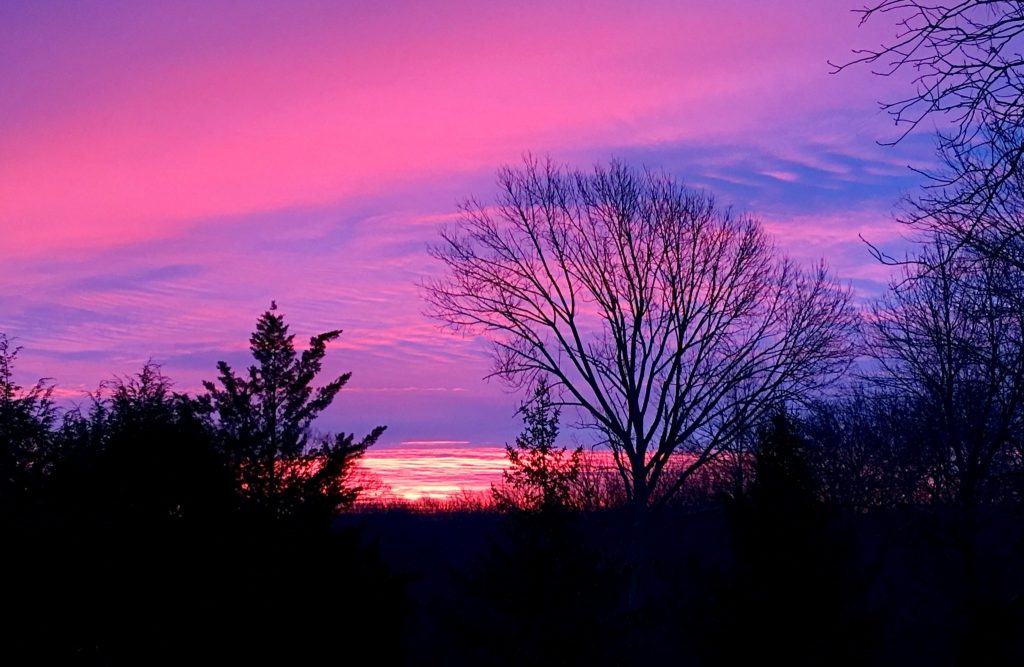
(670, 322)
(541, 474)
(265, 417)
(967, 68)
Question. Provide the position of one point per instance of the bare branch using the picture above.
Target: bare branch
(669, 322)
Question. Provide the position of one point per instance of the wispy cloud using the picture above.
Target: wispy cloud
(162, 179)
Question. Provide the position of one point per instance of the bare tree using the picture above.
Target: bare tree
(967, 62)
(864, 450)
(669, 322)
(949, 334)
(965, 58)
(949, 338)
(977, 200)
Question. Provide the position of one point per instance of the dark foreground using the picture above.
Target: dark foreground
(718, 586)
(713, 587)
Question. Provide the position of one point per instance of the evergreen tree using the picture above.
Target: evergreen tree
(541, 582)
(540, 475)
(783, 483)
(265, 419)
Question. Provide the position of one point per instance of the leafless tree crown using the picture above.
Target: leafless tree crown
(967, 63)
(669, 322)
(950, 337)
(965, 58)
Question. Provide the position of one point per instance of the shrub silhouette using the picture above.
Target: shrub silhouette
(793, 594)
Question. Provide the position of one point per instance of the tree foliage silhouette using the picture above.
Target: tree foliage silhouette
(671, 323)
(135, 489)
(950, 336)
(143, 455)
(540, 581)
(138, 540)
(541, 477)
(265, 419)
(793, 597)
(27, 420)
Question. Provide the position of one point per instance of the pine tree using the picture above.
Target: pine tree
(265, 423)
(540, 475)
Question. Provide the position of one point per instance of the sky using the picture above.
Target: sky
(169, 168)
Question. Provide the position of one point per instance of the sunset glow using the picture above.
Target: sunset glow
(531, 332)
(436, 472)
(169, 168)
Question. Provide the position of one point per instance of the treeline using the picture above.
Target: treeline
(771, 560)
(149, 527)
(932, 413)
(825, 540)
(874, 518)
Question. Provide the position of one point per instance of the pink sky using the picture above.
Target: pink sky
(415, 470)
(167, 169)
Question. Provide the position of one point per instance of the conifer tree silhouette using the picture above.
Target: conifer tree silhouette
(265, 422)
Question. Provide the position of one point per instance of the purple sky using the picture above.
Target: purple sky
(166, 169)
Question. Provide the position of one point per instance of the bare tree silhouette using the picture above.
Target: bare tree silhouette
(669, 322)
(950, 337)
(966, 61)
(977, 200)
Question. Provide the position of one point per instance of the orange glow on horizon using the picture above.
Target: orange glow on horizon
(426, 471)
(439, 472)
